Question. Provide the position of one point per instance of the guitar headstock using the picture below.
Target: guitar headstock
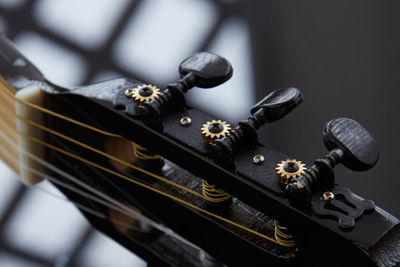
(211, 181)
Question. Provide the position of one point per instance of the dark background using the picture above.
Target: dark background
(343, 55)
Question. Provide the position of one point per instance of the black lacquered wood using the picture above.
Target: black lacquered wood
(360, 149)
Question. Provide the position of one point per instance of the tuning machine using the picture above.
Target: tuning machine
(271, 108)
(203, 69)
(349, 143)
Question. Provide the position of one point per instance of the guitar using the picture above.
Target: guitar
(180, 187)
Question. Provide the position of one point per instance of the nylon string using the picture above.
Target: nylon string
(52, 113)
(116, 206)
(96, 150)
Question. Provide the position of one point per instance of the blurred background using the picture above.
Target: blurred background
(343, 55)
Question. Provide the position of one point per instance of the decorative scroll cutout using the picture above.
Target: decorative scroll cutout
(345, 207)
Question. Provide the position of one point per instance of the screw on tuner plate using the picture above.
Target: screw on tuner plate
(203, 69)
(271, 108)
(349, 143)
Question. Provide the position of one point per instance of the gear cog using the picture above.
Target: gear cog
(288, 170)
(215, 129)
(143, 93)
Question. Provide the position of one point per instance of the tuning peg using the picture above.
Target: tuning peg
(360, 151)
(349, 143)
(276, 105)
(273, 107)
(203, 70)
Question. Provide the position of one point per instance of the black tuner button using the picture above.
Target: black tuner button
(203, 70)
(360, 151)
(349, 143)
(273, 107)
(277, 104)
(208, 69)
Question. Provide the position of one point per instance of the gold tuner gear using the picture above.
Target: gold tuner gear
(144, 93)
(288, 170)
(215, 129)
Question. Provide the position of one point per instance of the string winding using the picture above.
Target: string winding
(140, 152)
(214, 194)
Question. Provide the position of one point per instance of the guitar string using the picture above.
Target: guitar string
(110, 156)
(80, 192)
(119, 206)
(62, 173)
(158, 191)
(87, 209)
(73, 189)
(57, 170)
(62, 184)
(150, 188)
(98, 151)
(10, 89)
(113, 158)
(119, 175)
(42, 162)
(44, 128)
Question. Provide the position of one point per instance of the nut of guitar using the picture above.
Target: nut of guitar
(20, 128)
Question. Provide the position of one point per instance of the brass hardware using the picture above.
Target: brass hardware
(328, 196)
(215, 129)
(288, 170)
(258, 159)
(186, 121)
(129, 92)
(143, 93)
